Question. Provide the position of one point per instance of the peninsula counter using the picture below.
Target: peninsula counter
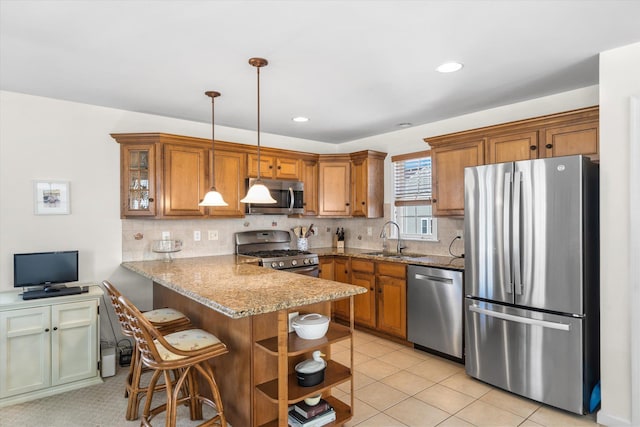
(247, 307)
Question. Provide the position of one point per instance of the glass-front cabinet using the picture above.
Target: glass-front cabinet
(138, 181)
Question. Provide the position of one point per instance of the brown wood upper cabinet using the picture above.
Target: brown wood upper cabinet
(448, 163)
(310, 180)
(367, 184)
(274, 167)
(351, 184)
(166, 176)
(334, 185)
(562, 134)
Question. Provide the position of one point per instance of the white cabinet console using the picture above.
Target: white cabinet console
(48, 345)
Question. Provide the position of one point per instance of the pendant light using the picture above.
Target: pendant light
(213, 198)
(258, 192)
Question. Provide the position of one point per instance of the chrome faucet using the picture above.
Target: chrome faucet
(383, 236)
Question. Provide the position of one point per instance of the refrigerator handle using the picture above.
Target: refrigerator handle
(517, 185)
(506, 232)
(518, 319)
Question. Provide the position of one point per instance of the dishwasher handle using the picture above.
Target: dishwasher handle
(429, 278)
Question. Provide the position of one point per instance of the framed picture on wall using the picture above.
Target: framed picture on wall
(51, 198)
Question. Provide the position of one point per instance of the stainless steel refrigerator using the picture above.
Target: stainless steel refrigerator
(531, 278)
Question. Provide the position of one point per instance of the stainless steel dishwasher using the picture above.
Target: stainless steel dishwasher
(434, 309)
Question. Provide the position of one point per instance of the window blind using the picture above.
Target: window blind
(412, 179)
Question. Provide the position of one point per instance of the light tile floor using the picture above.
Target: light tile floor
(394, 386)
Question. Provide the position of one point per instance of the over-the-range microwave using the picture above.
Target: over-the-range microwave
(289, 197)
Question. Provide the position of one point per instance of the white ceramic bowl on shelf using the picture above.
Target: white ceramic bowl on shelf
(310, 326)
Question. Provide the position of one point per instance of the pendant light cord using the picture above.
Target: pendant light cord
(212, 177)
(258, 68)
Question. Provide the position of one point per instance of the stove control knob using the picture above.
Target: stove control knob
(281, 264)
(306, 261)
(274, 264)
(294, 262)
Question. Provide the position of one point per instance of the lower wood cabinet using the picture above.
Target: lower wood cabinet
(391, 284)
(384, 307)
(48, 346)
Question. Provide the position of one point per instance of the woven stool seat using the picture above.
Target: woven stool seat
(166, 320)
(187, 352)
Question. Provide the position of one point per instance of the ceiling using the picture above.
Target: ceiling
(355, 68)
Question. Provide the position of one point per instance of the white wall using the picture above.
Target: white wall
(43, 138)
(619, 80)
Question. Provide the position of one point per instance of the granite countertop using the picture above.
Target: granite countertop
(236, 287)
(439, 261)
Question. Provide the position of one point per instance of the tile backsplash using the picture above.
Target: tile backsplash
(138, 234)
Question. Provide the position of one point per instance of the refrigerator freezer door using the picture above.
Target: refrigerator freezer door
(488, 268)
(529, 353)
(548, 241)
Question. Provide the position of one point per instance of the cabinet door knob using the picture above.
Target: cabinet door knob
(346, 204)
(549, 145)
(371, 289)
(433, 200)
(532, 147)
(55, 328)
(150, 199)
(363, 203)
(46, 330)
(270, 166)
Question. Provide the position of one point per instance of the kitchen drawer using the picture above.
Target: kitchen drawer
(362, 265)
(392, 269)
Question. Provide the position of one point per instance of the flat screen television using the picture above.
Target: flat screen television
(45, 268)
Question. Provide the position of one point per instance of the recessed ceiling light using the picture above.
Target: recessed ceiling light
(404, 125)
(449, 67)
(300, 119)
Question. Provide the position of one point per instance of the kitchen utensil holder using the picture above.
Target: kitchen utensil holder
(303, 244)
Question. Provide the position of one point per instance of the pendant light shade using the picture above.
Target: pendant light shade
(213, 198)
(258, 192)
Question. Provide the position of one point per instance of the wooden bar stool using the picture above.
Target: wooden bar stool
(187, 351)
(166, 320)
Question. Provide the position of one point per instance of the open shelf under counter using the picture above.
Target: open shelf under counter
(297, 345)
(343, 413)
(334, 375)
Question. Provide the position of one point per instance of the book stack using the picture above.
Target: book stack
(303, 415)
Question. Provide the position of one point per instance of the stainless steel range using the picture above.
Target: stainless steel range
(273, 247)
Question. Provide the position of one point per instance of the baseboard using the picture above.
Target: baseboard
(611, 421)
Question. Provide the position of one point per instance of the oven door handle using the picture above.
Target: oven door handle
(304, 270)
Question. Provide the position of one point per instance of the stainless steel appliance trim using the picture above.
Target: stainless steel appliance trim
(518, 319)
(515, 224)
(506, 232)
(443, 280)
(291, 198)
(314, 270)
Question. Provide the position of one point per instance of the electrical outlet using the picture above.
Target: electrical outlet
(369, 231)
(166, 235)
(459, 234)
(213, 234)
(196, 235)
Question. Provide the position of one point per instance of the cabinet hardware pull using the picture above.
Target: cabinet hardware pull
(55, 328)
(46, 330)
(279, 167)
(363, 203)
(433, 200)
(549, 145)
(532, 147)
(346, 204)
(150, 199)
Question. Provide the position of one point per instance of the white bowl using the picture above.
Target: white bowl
(310, 326)
(313, 400)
